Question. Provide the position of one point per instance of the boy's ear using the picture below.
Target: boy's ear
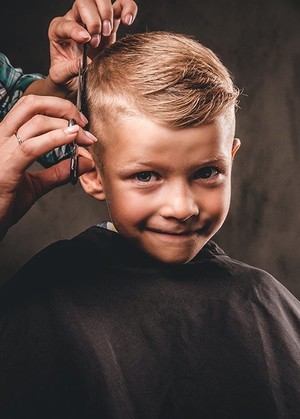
(235, 146)
(91, 181)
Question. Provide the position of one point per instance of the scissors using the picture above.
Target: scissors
(81, 106)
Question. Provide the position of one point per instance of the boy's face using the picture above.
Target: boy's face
(168, 190)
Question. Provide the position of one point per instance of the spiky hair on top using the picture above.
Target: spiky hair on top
(169, 77)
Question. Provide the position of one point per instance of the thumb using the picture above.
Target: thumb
(59, 174)
(64, 72)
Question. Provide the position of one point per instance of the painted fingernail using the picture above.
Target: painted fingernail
(83, 118)
(91, 136)
(85, 35)
(72, 129)
(106, 28)
(128, 19)
(95, 41)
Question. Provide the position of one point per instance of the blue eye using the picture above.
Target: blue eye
(206, 173)
(144, 176)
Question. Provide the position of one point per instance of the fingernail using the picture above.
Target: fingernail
(83, 118)
(95, 41)
(72, 129)
(91, 136)
(128, 19)
(85, 35)
(106, 28)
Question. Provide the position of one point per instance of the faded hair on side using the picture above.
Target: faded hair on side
(169, 77)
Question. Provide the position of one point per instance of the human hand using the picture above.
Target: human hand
(66, 35)
(34, 126)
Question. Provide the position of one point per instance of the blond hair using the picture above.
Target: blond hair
(170, 78)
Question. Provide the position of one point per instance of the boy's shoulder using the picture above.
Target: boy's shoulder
(97, 251)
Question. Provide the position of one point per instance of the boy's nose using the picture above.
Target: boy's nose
(179, 203)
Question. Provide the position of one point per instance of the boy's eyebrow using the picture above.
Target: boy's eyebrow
(221, 159)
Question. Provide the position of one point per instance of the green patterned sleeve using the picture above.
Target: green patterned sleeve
(13, 84)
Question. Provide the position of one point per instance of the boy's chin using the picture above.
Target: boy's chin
(168, 256)
(171, 248)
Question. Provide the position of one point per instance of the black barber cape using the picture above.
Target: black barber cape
(94, 328)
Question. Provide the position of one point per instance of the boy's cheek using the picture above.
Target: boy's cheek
(217, 200)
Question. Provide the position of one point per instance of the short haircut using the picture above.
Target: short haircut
(169, 77)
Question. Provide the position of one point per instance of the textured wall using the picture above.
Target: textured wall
(259, 41)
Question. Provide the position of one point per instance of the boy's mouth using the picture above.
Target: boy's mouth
(179, 233)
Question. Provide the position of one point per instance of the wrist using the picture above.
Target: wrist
(46, 87)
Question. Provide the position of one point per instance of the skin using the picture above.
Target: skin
(41, 122)
(167, 190)
(67, 35)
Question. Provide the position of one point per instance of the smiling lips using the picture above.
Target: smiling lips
(184, 233)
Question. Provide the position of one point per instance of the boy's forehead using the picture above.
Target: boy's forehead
(135, 121)
(143, 140)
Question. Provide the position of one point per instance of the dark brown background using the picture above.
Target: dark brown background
(259, 41)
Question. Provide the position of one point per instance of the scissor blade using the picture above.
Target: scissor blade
(83, 81)
(79, 86)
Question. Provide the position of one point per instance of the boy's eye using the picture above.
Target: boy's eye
(206, 173)
(145, 176)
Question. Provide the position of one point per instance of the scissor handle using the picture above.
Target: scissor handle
(74, 158)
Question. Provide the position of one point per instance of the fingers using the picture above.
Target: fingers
(62, 29)
(126, 10)
(48, 179)
(99, 16)
(22, 156)
(64, 71)
(19, 193)
(29, 106)
(67, 33)
(41, 124)
(32, 148)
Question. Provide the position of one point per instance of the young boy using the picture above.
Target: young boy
(144, 316)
